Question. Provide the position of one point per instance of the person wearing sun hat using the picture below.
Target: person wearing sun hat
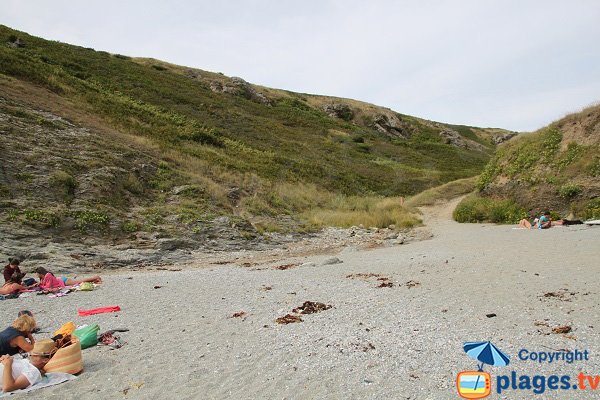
(18, 373)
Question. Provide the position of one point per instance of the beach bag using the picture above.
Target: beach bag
(86, 286)
(67, 359)
(88, 335)
(28, 281)
(66, 329)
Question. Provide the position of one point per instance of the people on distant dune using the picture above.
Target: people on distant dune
(18, 337)
(49, 281)
(11, 268)
(20, 373)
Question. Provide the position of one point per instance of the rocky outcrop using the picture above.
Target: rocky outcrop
(239, 87)
(340, 111)
(16, 42)
(452, 137)
(497, 139)
(391, 125)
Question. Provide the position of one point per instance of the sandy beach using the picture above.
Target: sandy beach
(209, 331)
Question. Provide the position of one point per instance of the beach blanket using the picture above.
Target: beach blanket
(85, 313)
(50, 379)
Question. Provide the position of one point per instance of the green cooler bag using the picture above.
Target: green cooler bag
(88, 335)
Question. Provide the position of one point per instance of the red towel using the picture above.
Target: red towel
(85, 313)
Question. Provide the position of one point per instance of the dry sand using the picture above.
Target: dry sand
(399, 342)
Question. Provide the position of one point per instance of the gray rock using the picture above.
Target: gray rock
(174, 244)
(452, 137)
(331, 261)
(349, 249)
(391, 125)
(234, 194)
(341, 111)
(17, 43)
(180, 189)
(308, 264)
(239, 87)
(497, 139)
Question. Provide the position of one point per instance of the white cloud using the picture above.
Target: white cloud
(507, 63)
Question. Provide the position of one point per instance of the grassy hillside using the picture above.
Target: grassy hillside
(137, 143)
(555, 168)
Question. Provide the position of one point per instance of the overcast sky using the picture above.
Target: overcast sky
(512, 64)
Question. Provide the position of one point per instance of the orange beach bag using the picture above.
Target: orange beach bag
(67, 359)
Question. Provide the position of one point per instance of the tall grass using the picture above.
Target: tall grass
(351, 211)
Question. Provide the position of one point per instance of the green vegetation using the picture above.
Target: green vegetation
(558, 165)
(45, 218)
(130, 226)
(86, 220)
(64, 183)
(569, 191)
(592, 209)
(285, 157)
(366, 211)
(481, 209)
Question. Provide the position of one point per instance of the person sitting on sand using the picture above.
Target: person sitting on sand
(13, 285)
(11, 268)
(531, 223)
(545, 221)
(19, 373)
(18, 338)
(49, 281)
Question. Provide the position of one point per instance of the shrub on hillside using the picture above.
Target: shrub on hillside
(481, 209)
(65, 183)
(569, 191)
(592, 210)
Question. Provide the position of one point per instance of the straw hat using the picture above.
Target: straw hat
(45, 347)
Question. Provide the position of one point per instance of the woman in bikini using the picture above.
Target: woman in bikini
(49, 281)
(13, 285)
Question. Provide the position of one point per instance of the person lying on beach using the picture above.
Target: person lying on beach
(13, 285)
(525, 223)
(18, 338)
(566, 222)
(11, 268)
(49, 281)
(19, 373)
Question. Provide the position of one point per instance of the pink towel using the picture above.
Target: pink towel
(84, 313)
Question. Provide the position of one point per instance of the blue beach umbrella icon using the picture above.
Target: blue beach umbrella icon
(487, 353)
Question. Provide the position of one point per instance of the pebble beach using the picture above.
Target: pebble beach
(392, 326)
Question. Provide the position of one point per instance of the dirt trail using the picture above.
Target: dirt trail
(437, 219)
